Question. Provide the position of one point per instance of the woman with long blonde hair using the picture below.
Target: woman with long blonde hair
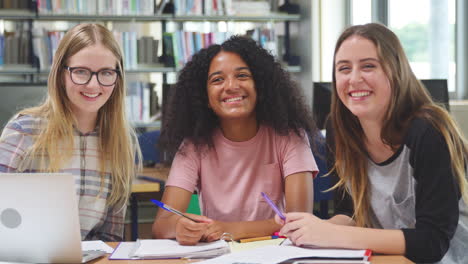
(400, 159)
(81, 129)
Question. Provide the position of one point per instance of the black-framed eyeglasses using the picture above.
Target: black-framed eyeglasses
(105, 77)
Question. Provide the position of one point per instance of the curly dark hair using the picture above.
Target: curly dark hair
(280, 102)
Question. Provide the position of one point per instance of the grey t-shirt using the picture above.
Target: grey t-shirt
(415, 191)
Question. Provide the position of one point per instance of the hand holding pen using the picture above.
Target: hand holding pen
(189, 228)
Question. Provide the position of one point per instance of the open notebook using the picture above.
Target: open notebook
(167, 249)
(287, 251)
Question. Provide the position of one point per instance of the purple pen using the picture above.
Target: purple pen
(273, 206)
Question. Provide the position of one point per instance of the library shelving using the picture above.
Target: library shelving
(21, 28)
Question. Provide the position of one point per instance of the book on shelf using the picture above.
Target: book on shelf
(139, 101)
(251, 7)
(14, 45)
(45, 43)
(168, 249)
(179, 46)
(203, 7)
(16, 4)
(147, 50)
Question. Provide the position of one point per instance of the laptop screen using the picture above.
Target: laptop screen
(39, 219)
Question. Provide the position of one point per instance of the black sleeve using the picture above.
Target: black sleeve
(437, 197)
(343, 203)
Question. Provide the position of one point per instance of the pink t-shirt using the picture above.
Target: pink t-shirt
(230, 176)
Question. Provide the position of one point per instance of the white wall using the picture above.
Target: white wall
(459, 110)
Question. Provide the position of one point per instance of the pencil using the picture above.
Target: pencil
(257, 239)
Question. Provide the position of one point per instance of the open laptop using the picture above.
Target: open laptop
(39, 219)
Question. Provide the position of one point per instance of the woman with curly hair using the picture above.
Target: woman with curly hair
(400, 159)
(237, 125)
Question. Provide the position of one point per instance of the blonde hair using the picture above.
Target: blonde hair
(409, 100)
(117, 143)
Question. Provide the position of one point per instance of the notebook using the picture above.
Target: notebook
(39, 219)
(277, 254)
(168, 249)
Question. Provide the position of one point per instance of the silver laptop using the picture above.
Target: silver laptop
(39, 219)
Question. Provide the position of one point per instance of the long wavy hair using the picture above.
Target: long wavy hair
(117, 143)
(280, 103)
(409, 100)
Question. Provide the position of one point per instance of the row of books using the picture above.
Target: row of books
(136, 51)
(14, 48)
(141, 101)
(150, 7)
(15, 45)
(179, 46)
(96, 7)
(16, 4)
(221, 7)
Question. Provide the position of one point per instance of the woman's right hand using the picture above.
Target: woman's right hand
(189, 232)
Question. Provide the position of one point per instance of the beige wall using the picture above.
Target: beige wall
(459, 110)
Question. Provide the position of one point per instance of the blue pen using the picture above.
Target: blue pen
(273, 206)
(170, 209)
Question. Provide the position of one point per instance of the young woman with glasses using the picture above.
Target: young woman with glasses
(81, 129)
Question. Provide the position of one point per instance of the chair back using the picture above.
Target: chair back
(149, 150)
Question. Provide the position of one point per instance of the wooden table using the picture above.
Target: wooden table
(374, 260)
(147, 181)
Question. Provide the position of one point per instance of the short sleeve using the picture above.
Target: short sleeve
(297, 155)
(185, 169)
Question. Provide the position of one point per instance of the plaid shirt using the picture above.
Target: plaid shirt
(97, 220)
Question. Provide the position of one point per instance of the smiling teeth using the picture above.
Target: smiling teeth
(91, 95)
(233, 99)
(360, 94)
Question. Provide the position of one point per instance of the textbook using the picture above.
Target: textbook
(168, 249)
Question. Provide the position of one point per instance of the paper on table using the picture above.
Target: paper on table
(167, 248)
(123, 250)
(98, 245)
(277, 254)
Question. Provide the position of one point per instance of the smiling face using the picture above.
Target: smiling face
(361, 82)
(231, 88)
(87, 99)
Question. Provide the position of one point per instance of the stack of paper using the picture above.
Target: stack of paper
(167, 248)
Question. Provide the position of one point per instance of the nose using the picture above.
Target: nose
(232, 84)
(356, 77)
(93, 81)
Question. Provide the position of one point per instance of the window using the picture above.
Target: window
(361, 12)
(426, 29)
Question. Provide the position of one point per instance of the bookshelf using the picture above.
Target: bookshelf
(30, 19)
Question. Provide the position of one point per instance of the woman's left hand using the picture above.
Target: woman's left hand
(214, 231)
(307, 229)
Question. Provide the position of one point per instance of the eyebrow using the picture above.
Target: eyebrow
(362, 60)
(219, 72)
(100, 69)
